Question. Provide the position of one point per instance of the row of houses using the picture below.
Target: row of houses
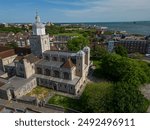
(22, 39)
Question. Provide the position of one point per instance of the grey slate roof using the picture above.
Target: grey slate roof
(46, 63)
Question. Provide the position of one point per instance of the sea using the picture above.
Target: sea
(136, 27)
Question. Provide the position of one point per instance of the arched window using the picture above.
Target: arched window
(39, 70)
(47, 72)
(54, 58)
(46, 58)
(66, 75)
(56, 74)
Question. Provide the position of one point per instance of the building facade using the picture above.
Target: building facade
(7, 56)
(132, 46)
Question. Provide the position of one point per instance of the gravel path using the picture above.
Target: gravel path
(146, 91)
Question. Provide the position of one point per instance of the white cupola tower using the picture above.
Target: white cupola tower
(38, 27)
(39, 41)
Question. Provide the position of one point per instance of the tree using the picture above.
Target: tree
(127, 99)
(97, 98)
(12, 45)
(77, 43)
(117, 68)
(121, 51)
(98, 52)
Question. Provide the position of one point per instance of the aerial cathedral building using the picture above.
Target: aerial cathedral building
(59, 70)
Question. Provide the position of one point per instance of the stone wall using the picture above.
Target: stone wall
(25, 89)
(29, 68)
(13, 93)
(6, 61)
(20, 70)
(58, 86)
(39, 44)
(50, 71)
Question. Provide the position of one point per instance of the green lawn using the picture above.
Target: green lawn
(92, 91)
(65, 102)
(40, 92)
(68, 34)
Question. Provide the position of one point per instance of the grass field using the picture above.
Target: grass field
(68, 34)
(65, 102)
(40, 92)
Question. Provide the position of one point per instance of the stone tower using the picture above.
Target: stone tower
(87, 55)
(39, 41)
(80, 63)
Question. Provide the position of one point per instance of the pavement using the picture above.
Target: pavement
(146, 92)
(23, 106)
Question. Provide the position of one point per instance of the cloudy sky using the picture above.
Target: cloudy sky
(75, 10)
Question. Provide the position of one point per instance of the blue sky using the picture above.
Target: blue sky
(75, 10)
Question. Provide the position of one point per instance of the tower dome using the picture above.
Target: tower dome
(80, 53)
(86, 48)
(38, 27)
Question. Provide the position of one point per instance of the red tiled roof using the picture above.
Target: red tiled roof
(68, 64)
(6, 52)
(2, 49)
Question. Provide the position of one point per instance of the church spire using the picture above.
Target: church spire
(38, 27)
(37, 18)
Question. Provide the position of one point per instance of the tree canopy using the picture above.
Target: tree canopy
(121, 51)
(77, 43)
(117, 68)
(126, 75)
(97, 97)
(127, 99)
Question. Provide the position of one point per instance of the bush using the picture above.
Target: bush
(127, 99)
(97, 98)
(117, 68)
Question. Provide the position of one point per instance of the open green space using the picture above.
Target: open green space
(68, 34)
(40, 92)
(94, 93)
(12, 29)
(65, 102)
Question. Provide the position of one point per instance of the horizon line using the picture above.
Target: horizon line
(77, 22)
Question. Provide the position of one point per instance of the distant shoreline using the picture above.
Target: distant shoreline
(133, 27)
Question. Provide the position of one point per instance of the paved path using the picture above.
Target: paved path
(146, 92)
(23, 106)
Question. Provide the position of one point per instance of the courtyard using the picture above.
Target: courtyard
(41, 93)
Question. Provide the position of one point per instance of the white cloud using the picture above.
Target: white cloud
(111, 9)
(100, 10)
